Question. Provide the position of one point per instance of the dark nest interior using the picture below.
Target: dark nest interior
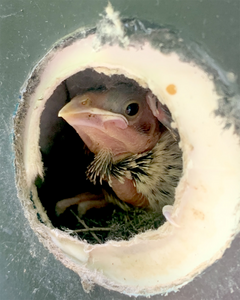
(65, 163)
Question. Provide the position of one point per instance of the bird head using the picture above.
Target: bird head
(119, 119)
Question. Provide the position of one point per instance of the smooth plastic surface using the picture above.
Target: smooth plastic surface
(27, 31)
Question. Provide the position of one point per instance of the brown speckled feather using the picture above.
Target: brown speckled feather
(155, 173)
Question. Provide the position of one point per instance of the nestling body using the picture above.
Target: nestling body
(123, 127)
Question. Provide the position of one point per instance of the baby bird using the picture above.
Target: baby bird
(137, 159)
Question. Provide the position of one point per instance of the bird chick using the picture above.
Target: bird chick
(137, 160)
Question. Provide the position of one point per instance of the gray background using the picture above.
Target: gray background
(27, 31)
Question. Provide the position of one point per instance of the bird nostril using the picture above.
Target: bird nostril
(85, 101)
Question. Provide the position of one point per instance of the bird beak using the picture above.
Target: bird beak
(70, 109)
(79, 113)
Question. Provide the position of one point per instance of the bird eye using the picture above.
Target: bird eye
(132, 109)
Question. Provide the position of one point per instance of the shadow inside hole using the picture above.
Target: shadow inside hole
(65, 162)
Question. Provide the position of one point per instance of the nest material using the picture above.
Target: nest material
(110, 223)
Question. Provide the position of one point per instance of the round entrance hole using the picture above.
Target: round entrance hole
(183, 78)
(66, 158)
